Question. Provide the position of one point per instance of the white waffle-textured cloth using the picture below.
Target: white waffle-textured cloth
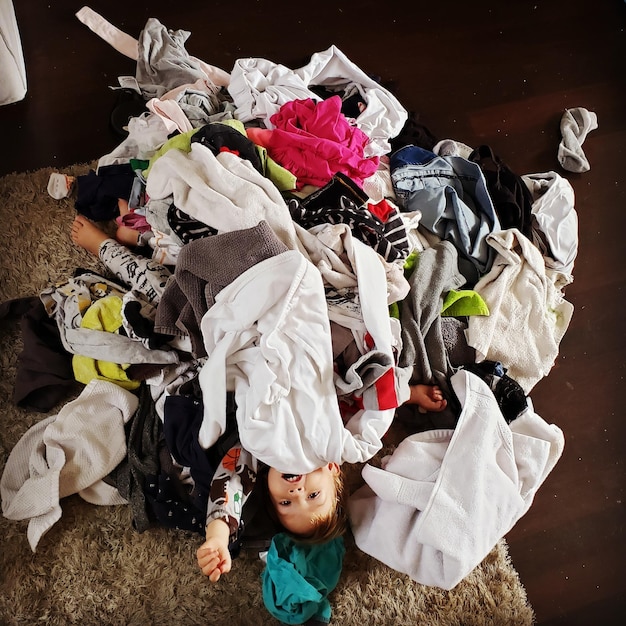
(66, 454)
(445, 497)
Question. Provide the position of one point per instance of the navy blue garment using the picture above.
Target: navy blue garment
(511, 197)
(169, 499)
(98, 193)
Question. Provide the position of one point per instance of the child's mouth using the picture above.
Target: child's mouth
(292, 478)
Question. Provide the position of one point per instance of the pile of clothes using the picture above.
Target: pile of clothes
(327, 252)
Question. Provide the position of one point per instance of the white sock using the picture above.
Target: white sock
(575, 125)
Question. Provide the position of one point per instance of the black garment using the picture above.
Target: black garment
(220, 137)
(143, 327)
(352, 104)
(44, 368)
(341, 201)
(128, 103)
(98, 193)
(508, 393)
(413, 133)
(511, 197)
(186, 227)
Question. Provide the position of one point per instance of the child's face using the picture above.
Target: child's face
(300, 498)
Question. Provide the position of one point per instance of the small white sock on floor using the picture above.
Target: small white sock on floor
(575, 125)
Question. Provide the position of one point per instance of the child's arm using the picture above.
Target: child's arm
(231, 485)
(213, 555)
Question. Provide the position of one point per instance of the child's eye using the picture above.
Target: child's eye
(314, 495)
(284, 502)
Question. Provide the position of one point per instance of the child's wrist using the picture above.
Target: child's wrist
(218, 528)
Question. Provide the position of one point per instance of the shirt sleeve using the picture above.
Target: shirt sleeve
(231, 486)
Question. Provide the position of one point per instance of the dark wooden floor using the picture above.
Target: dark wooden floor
(487, 71)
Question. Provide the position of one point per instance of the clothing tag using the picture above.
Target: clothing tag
(128, 82)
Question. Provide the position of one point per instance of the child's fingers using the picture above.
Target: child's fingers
(215, 575)
(206, 553)
(225, 566)
(208, 558)
(210, 566)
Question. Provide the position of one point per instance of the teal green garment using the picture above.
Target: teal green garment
(299, 577)
(459, 303)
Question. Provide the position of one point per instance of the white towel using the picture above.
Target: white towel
(528, 313)
(444, 498)
(66, 454)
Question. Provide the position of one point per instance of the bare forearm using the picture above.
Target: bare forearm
(218, 529)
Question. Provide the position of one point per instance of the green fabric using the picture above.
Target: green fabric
(410, 263)
(298, 578)
(182, 141)
(463, 302)
(281, 177)
(106, 315)
(139, 164)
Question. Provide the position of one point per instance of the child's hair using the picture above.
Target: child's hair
(324, 528)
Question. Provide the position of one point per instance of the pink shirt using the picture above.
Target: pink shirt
(314, 140)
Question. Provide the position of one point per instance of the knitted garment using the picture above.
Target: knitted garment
(205, 266)
(299, 577)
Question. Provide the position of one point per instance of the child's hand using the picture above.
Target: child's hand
(213, 555)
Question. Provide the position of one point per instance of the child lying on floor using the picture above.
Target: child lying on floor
(308, 506)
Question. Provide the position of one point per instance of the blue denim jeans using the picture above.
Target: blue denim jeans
(451, 194)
